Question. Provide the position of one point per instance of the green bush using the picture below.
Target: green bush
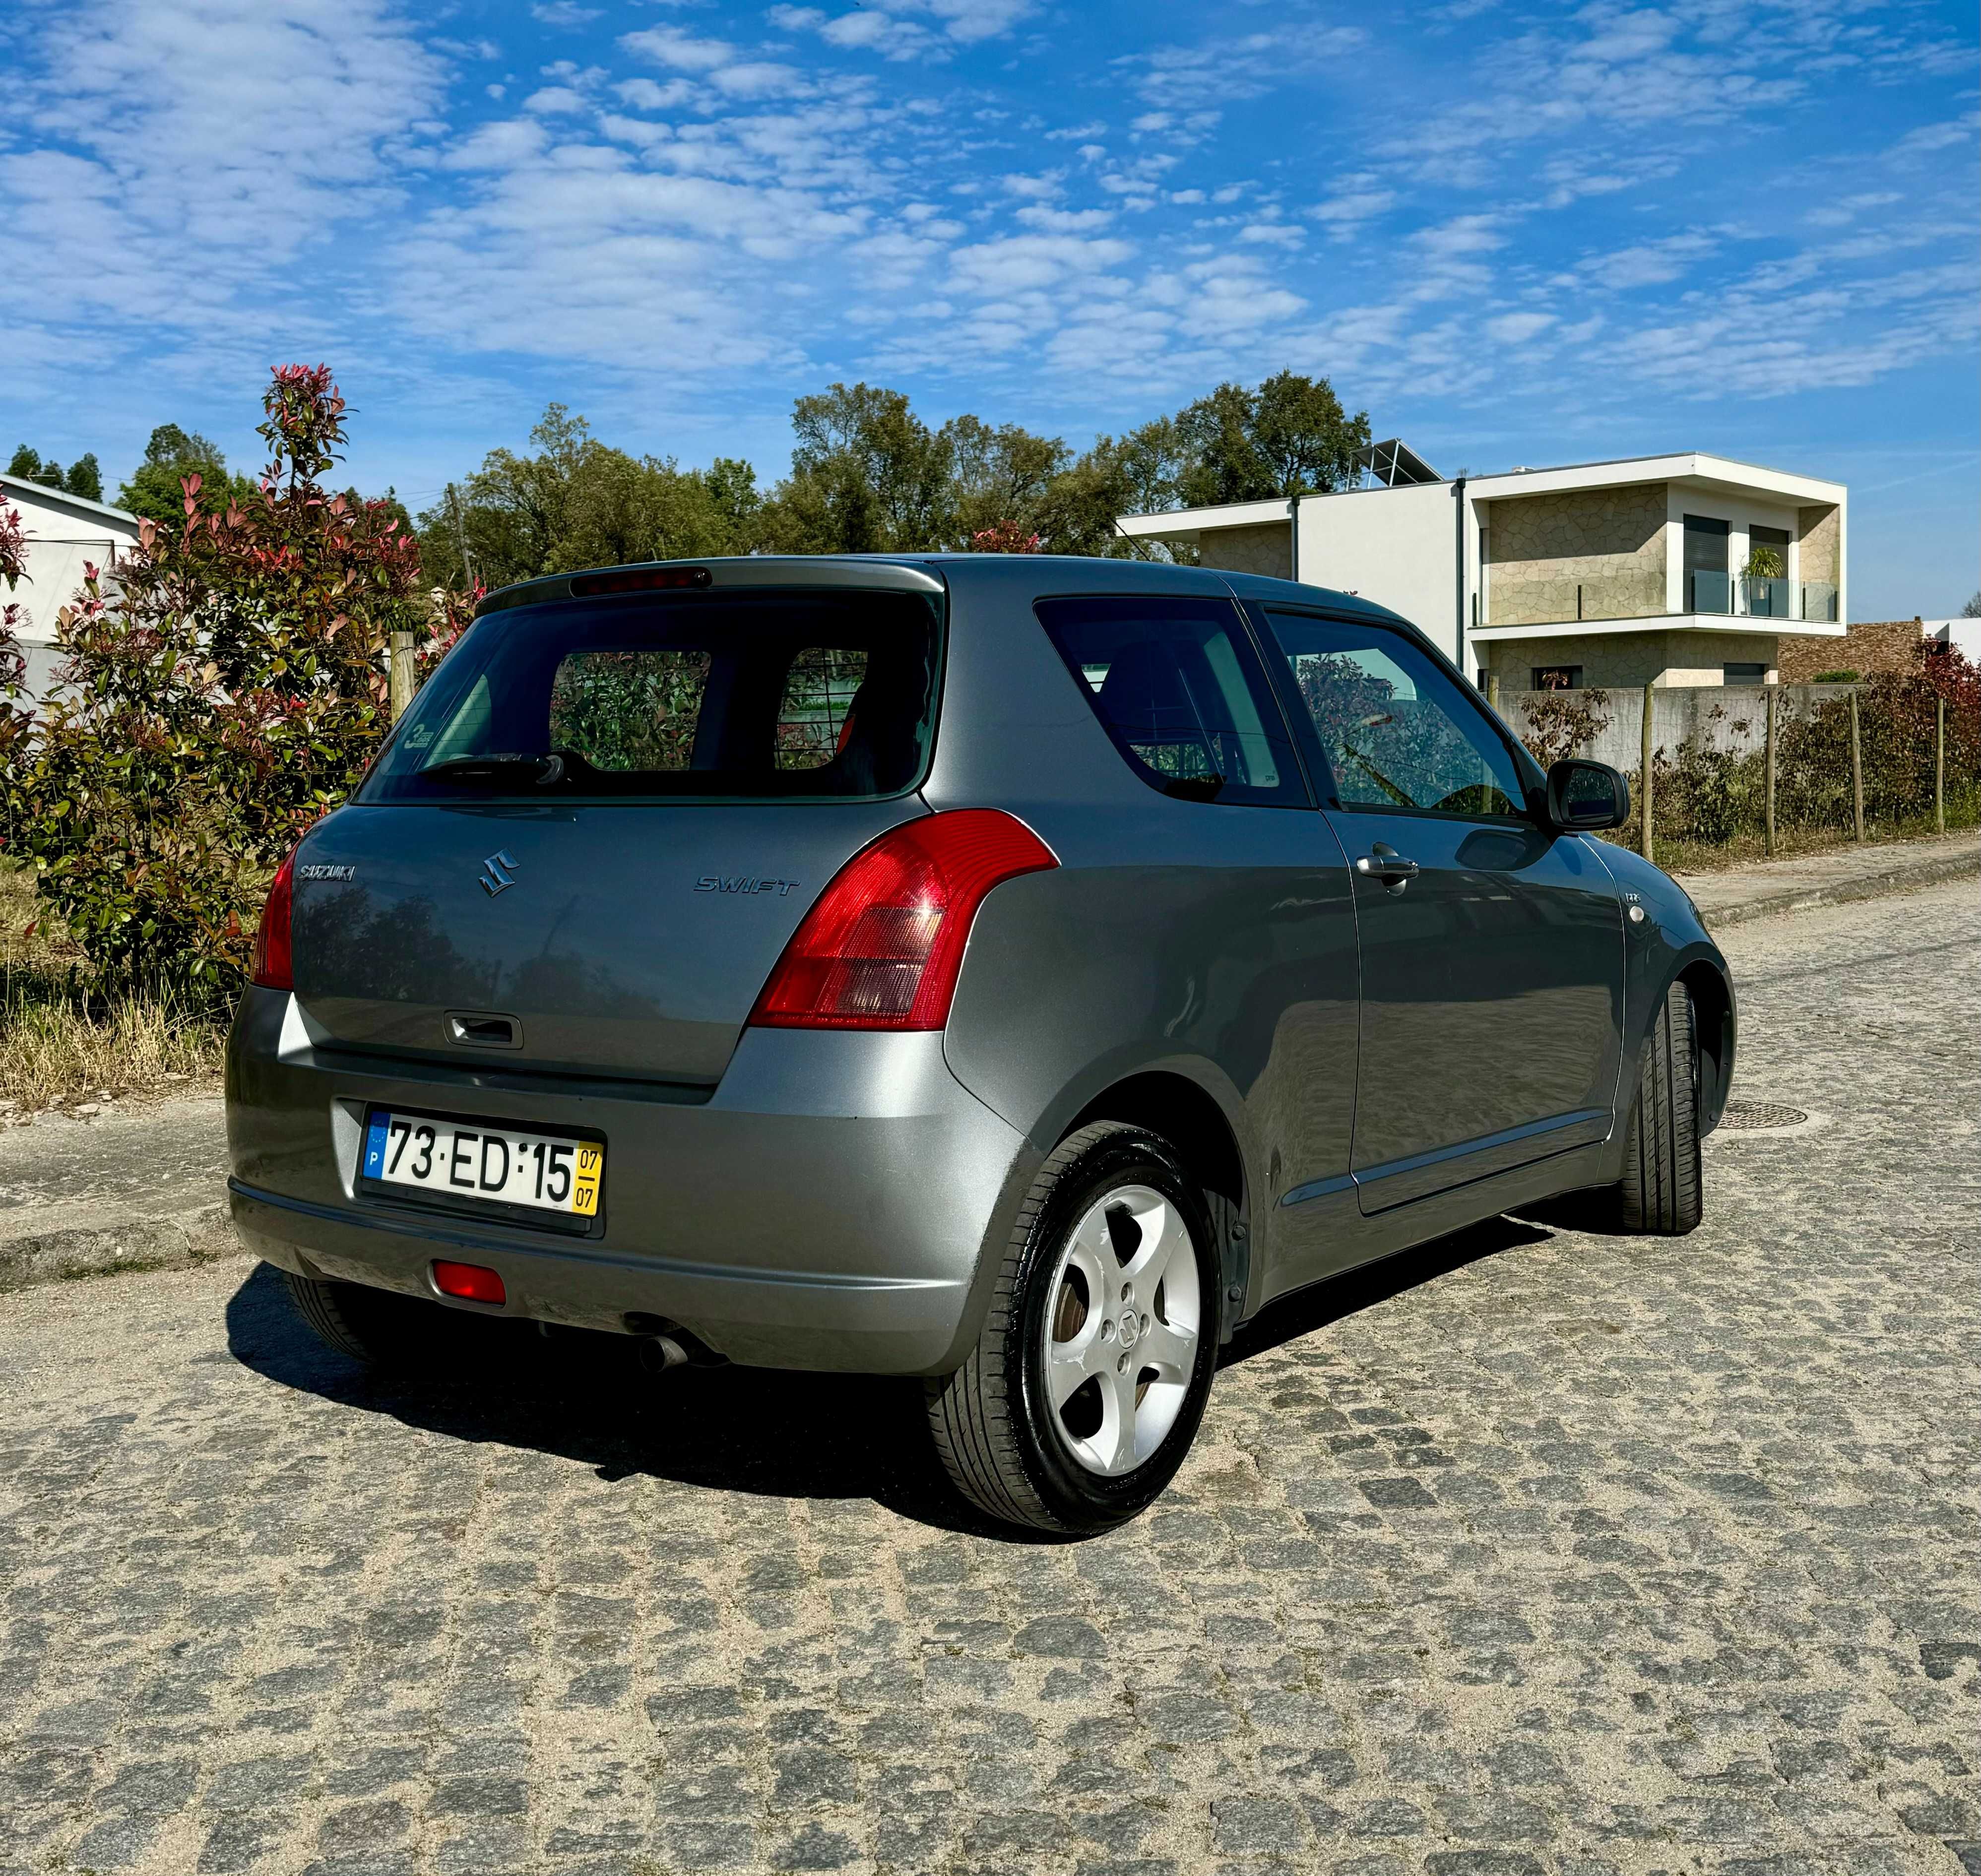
(224, 690)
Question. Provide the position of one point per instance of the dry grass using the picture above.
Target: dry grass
(56, 1051)
(54, 1055)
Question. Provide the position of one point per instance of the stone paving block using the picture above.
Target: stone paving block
(1564, 1555)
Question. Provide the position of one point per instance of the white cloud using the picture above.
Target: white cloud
(1517, 328)
(563, 13)
(679, 51)
(906, 29)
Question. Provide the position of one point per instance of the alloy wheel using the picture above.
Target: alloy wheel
(1124, 1315)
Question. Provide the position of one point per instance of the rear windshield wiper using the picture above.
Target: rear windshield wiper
(543, 770)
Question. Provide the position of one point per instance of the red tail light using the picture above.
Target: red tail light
(881, 948)
(273, 968)
(477, 1283)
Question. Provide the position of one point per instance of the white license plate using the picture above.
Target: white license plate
(460, 1160)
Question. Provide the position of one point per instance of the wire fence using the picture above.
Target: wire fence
(1896, 754)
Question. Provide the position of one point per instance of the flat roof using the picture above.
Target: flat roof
(1684, 466)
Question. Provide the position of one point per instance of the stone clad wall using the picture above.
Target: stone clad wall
(1625, 659)
(1881, 645)
(1266, 549)
(1610, 542)
(1817, 537)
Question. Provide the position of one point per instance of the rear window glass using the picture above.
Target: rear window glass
(721, 696)
(1176, 684)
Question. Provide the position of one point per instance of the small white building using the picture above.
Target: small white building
(64, 533)
(1595, 574)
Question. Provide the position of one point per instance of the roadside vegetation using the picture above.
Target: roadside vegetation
(61, 1048)
(227, 685)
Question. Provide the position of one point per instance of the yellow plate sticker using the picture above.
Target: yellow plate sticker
(585, 1185)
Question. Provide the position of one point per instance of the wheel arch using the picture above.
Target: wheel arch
(1715, 1016)
(1190, 1118)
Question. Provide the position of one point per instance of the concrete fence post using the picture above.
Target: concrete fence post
(1940, 765)
(401, 673)
(1649, 749)
(1856, 769)
(1768, 838)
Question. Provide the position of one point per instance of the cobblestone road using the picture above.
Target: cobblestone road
(1536, 1552)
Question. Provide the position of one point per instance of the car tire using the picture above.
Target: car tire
(376, 1326)
(1662, 1193)
(1083, 1394)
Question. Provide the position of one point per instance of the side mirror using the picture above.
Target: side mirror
(1585, 797)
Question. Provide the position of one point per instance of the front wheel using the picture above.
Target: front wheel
(1662, 1193)
(1087, 1382)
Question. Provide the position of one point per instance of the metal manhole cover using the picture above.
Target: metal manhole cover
(1758, 1116)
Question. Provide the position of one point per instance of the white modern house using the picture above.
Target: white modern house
(1647, 570)
(64, 534)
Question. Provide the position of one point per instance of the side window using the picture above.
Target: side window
(815, 713)
(628, 709)
(1178, 687)
(1397, 732)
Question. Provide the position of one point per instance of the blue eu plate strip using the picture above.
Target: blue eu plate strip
(374, 1145)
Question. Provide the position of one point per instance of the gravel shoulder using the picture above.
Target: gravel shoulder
(1528, 1554)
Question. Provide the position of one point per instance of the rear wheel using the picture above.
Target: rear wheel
(1662, 1193)
(374, 1325)
(1087, 1385)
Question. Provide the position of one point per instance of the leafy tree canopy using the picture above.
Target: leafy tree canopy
(84, 477)
(869, 475)
(155, 491)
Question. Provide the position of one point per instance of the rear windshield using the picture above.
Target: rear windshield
(750, 695)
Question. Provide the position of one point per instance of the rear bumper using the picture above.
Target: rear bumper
(827, 1206)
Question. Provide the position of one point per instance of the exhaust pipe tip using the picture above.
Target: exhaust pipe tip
(659, 1353)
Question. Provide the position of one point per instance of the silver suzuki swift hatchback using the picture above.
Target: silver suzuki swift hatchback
(1011, 971)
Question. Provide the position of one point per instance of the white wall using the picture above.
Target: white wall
(1395, 546)
(64, 536)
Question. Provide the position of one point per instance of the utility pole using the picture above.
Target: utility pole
(461, 537)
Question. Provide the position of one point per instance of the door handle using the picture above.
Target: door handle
(1385, 864)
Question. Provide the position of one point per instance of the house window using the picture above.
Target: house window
(1708, 586)
(1744, 674)
(1764, 582)
(1557, 677)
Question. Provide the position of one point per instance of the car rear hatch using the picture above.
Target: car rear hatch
(606, 814)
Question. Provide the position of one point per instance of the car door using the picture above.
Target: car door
(1492, 947)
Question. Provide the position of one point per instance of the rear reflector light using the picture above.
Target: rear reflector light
(882, 947)
(639, 580)
(273, 968)
(475, 1282)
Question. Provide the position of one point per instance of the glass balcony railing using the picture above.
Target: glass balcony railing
(1559, 598)
(1747, 597)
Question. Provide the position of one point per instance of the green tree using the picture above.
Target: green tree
(85, 477)
(578, 502)
(155, 491)
(867, 476)
(1290, 436)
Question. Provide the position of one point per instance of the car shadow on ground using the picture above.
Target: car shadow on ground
(583, 1396)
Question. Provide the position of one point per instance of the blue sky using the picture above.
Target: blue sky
(1514, 233)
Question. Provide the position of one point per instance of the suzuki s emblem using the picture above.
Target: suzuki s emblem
(496, 876)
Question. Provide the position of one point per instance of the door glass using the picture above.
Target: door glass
(1177, 683)
(1400, 735)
